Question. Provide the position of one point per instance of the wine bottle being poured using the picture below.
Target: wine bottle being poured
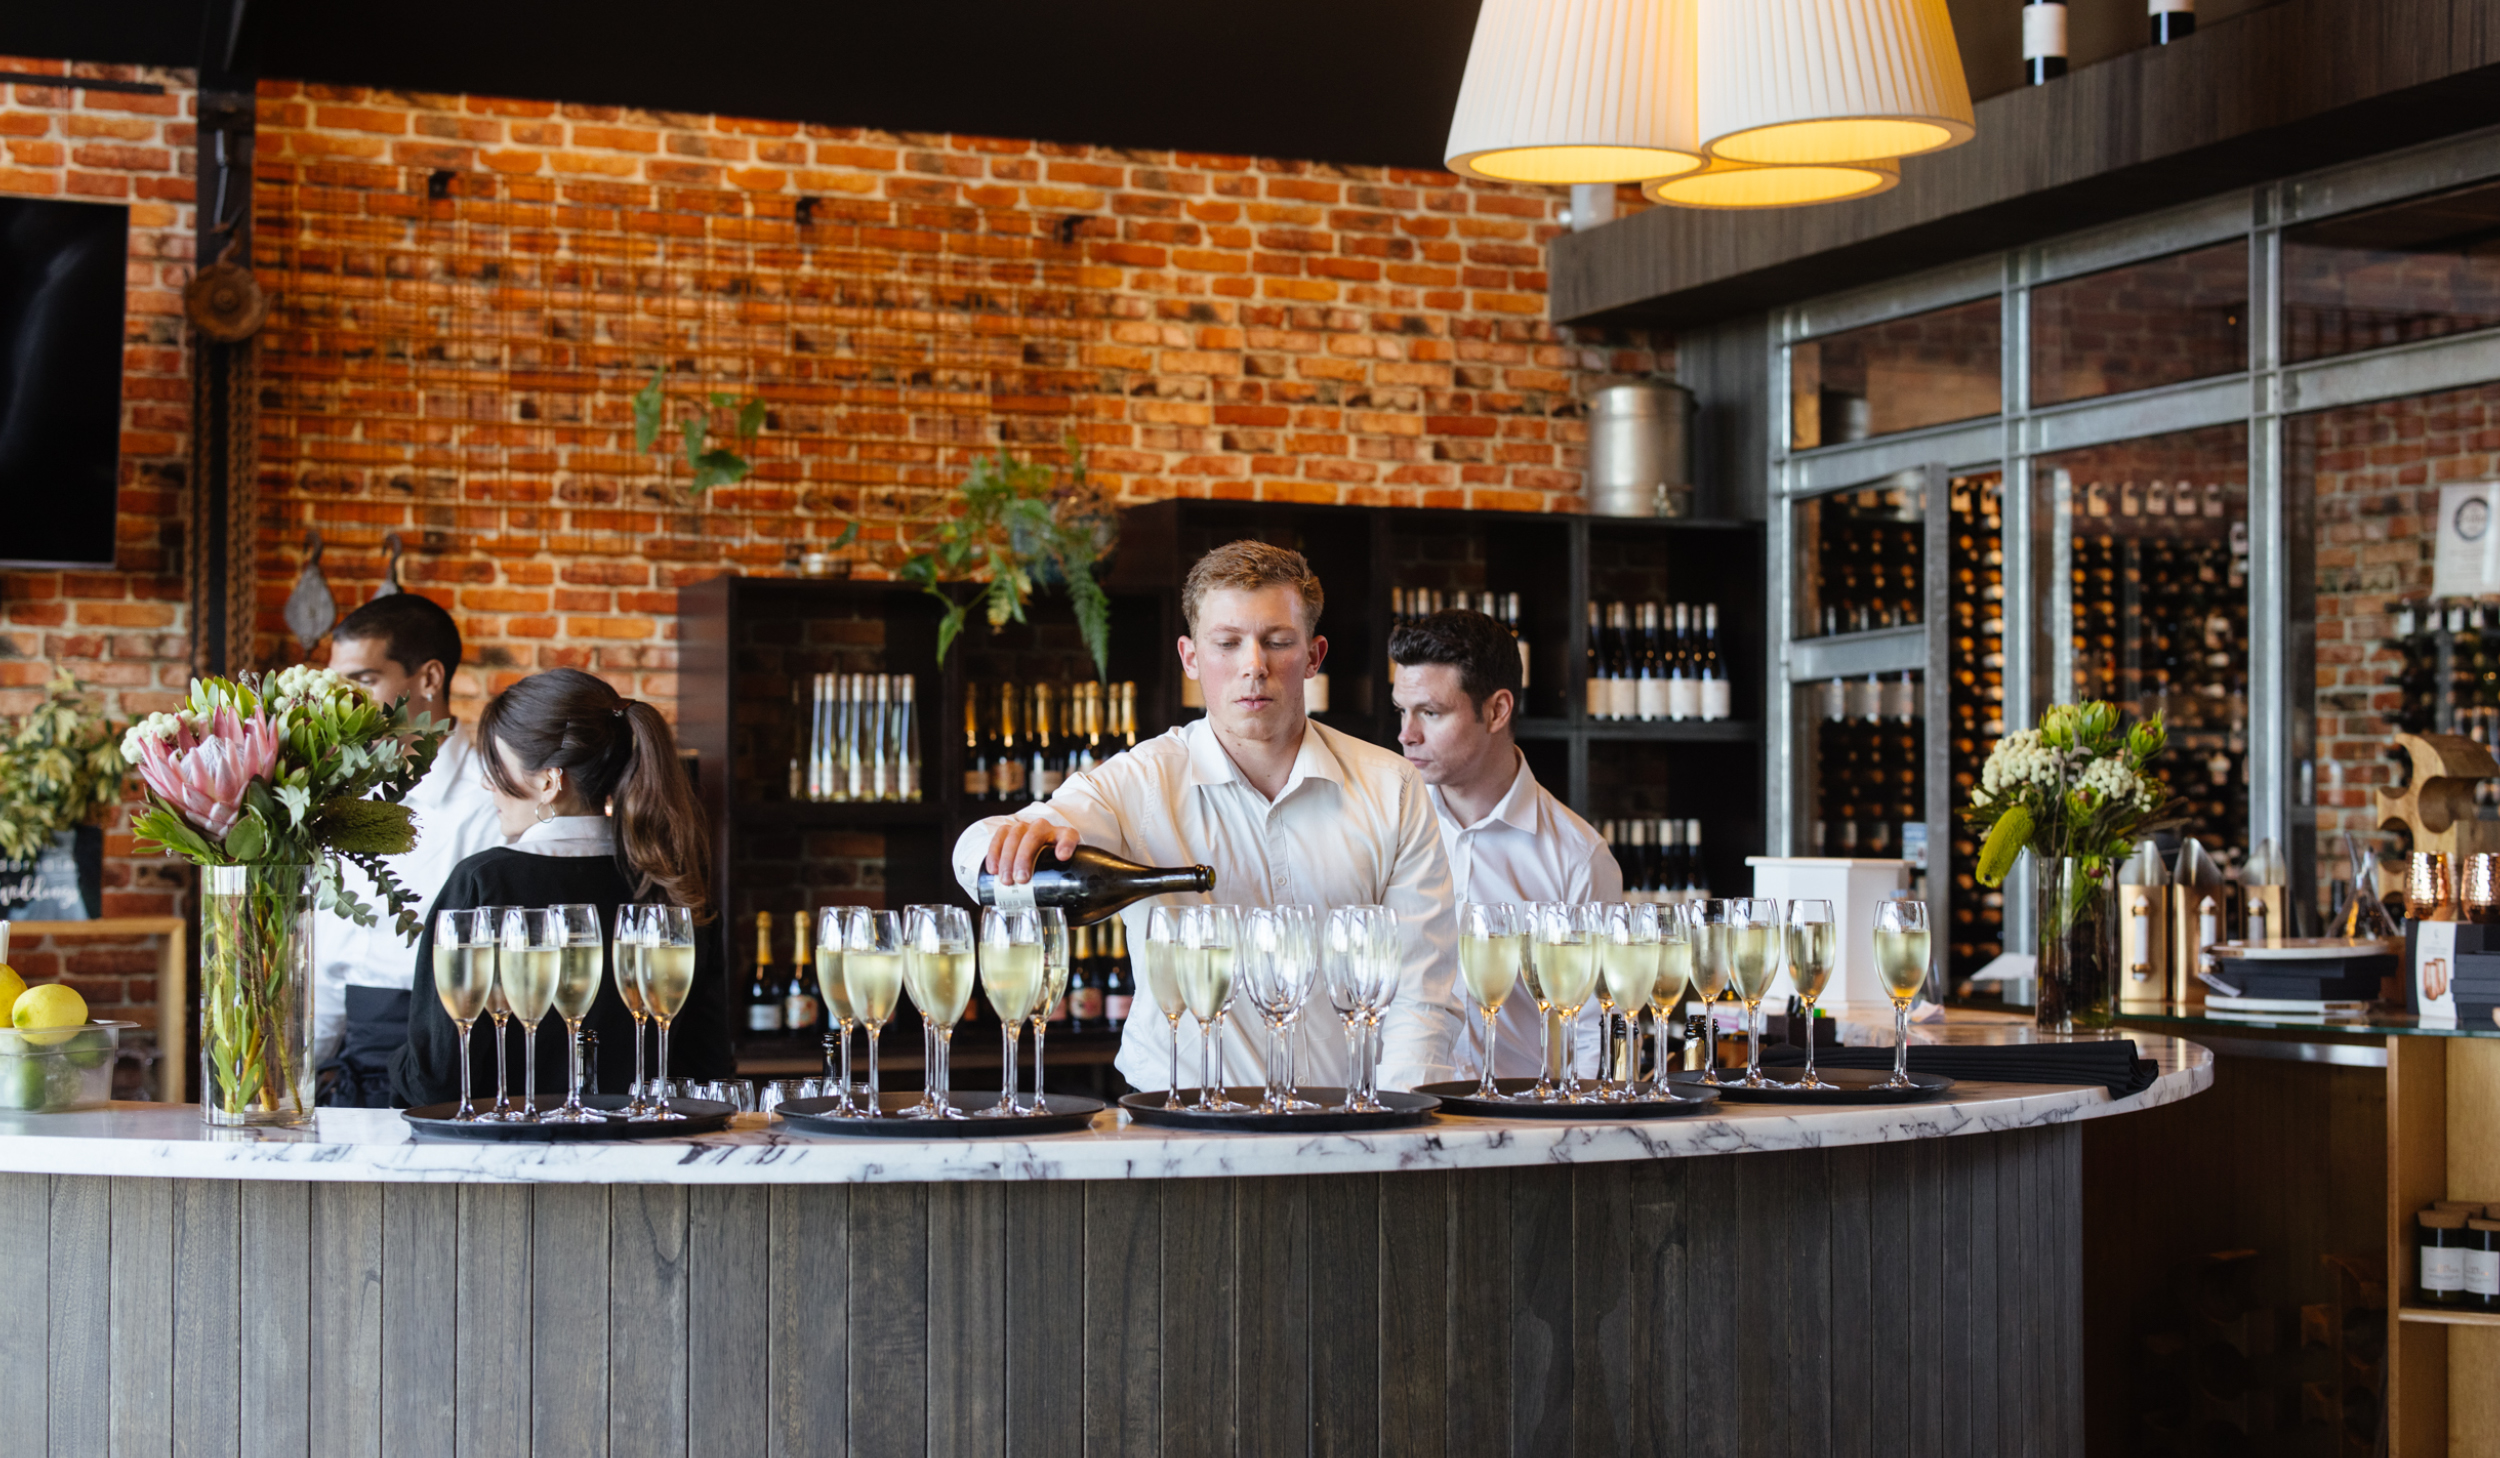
(1091, 884)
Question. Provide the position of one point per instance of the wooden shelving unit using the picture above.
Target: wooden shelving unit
(2443, 1136)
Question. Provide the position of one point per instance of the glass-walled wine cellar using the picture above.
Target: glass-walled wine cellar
(2190, 464)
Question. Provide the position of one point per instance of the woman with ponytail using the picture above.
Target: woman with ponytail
(588, 787)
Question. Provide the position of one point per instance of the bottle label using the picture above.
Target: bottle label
(763, 1017)
(1683, 699)
(2443, 1268)
(2044, 34)
(1623, 696)
(1085, 1003)
(2170, 7)
(1008, 778)
(1046, 784)
(1601, 701)
(1714, 698)
(2482, 1272)
(798, 1011)
(1654, 697)
(1018, 897)
(976, 784)
(1116, 1006)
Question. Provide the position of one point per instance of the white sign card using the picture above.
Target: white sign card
(2467, 561)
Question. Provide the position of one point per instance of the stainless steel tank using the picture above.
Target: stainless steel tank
(1640, 450)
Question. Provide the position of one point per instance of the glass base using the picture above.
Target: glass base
(282, 1118)
(572, 1116)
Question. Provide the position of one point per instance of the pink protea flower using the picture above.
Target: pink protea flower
(203, 775)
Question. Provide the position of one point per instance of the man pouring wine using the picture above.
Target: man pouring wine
(1283, 810)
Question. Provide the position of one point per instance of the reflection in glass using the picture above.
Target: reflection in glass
(1975, 655)
(2184, 317)
(1899, 375)
(1860, 553)
(2420, 269)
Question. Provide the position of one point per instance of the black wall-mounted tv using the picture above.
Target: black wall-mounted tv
(62, 278)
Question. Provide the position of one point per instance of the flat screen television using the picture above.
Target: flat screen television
(62, 271)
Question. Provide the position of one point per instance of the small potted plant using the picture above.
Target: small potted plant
(60, 763)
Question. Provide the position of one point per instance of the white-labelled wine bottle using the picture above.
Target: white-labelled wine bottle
(1091, 884)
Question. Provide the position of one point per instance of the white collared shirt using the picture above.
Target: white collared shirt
(455, 820)
(569, 835)
(1529, 847)
(1352, 827)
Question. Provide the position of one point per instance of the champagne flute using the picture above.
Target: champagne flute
(872, 973)
(937, 972)
(627, 970)
(1380, 988)
(1548, 1034)
(1488, 962)
(1342, 955)
(533, 949)
(667, 976)
(1054, 924)
(831, 939)
(1566, 957)
(464, 968)
(1209, 935)
(1158, 961)
(1901, 965)
(1753, 960)
(1011, 978)
(499, 1008)
(1255, 964)
(577, 987)
(1813, 944)
(1710, 978)
(1675, 973)
(1627, 973)
(1297, 968)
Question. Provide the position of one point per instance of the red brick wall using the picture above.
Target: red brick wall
(458, 368)
(123, 632)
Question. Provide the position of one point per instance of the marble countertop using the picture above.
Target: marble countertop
(374, 1144)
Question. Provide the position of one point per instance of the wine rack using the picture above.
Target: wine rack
(1867, 571)
(1975, 657)
(1869, 776)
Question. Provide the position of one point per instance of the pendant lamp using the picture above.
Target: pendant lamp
(1572, 91)
(1725, 184)
(1818, 81)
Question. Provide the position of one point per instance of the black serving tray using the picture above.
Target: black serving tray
(703, 1116)
(1400, 1111)
(1067, 1114)
(1460, 1098)
(1849, 1086)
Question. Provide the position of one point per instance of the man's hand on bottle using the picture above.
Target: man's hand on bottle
(1015, 845)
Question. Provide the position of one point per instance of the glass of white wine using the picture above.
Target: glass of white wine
(667, 976)
(1675, 973)
(1158, 962)
(499, 1008)
(1565, 939)
(464, 971)
(1627, 973)
(1488, 963)
(1209, 935)
(533, 949)
(577, 987)
(1710, 978)
(872, 974)
(937, 972)
(1011, 978)
(831, 938)
(1901, 965)
(1054, 924)
(1751, 936)
(627, 970)
(1813, 944)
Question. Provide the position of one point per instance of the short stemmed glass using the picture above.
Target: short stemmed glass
(1753, 961)
(533, 949)
(1901, 965)
(1548, 1034)
(667, 976)
(464, 968)
(1565, 936)
(1675, 972)
(627, 970)
(1813, 943)
(1627, 955)
(577, 988)
(499, 1007)
(872, 973)
(1158, 962)
(1710, 978)
(1011, 978)
(832, 936)
(1054, 924)
(937, 971)
(1209, 935)
(1488, 962)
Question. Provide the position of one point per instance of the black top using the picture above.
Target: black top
(427, 1068)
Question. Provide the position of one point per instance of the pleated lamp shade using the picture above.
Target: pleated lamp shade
(1567, 91)
(1810, 81)
(1725, 184)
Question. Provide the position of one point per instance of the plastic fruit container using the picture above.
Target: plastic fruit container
(55, 1069)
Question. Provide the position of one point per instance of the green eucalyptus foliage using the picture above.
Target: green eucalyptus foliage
(1021, 528)
(61, 761)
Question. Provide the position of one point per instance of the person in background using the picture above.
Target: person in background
(396, 647)
(588, 786)
(1507, 837)
(1286, 811)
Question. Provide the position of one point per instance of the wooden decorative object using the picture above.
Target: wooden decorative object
(2438, 806)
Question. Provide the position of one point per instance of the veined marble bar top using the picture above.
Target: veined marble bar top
(375, 1145)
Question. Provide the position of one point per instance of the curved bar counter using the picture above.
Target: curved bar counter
(1897, 1279)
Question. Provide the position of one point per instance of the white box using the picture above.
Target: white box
(1853, 887)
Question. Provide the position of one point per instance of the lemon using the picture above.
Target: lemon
(53, 1005)
(10, 986)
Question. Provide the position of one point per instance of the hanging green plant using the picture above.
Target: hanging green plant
(708, 465)
(1023, 524)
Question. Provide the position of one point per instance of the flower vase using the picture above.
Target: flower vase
(256, 995)
(2078, 928)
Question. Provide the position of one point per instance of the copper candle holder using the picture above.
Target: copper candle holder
(2427, 886)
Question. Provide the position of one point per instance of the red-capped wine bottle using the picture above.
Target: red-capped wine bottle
(1091, 884)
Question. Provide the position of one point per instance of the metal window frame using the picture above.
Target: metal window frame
(2262, 397)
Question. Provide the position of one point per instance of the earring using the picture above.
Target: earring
(546, 812)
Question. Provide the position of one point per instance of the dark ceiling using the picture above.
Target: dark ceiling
(1360, 81)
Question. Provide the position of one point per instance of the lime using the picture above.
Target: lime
(22, 1082)
(91, 1047)
(50, 1006)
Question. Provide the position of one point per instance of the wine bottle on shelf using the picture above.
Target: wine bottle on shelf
(763, 997)
(1649, 698)
(1671, 861)
(1623, 690)
(976, 752)
(1716, 693)
(2171, 20)
(1085, 994)
(1696, 875)
(1046, 770)
(1091, 884)
(2044, 41)
(904, 731)
(800, 1010)
(1119, 984)
(1008, 785)
(1683, 686)
(1600, 693)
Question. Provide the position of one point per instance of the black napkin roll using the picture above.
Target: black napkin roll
(2110, 1062)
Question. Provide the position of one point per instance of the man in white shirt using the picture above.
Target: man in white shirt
(1286, 811)
(1508, 839)
(396, 646)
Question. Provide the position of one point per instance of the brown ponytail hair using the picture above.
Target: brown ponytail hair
(613, 751)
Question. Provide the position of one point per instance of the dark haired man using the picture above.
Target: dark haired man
(1506, 837)
(400, 646)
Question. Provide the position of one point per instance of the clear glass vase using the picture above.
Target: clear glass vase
(256, 995)
(2078, 928)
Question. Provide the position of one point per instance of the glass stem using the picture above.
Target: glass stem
(1007, 1030)
(1485, 1088)
(637, 1090)
(1808, 1008)
(529, 1070)
(1753, 1042)
(846, 1066)
(1206, 1035)
(467, 1111)
(1041, 1030)
(876, 1105)
(1901, 1041)
(572, 1063)
(661, 1074)
(1631, 1052)
(1544, 1045)
(945, 1070)
(1172, 1088)
(502, 1079)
